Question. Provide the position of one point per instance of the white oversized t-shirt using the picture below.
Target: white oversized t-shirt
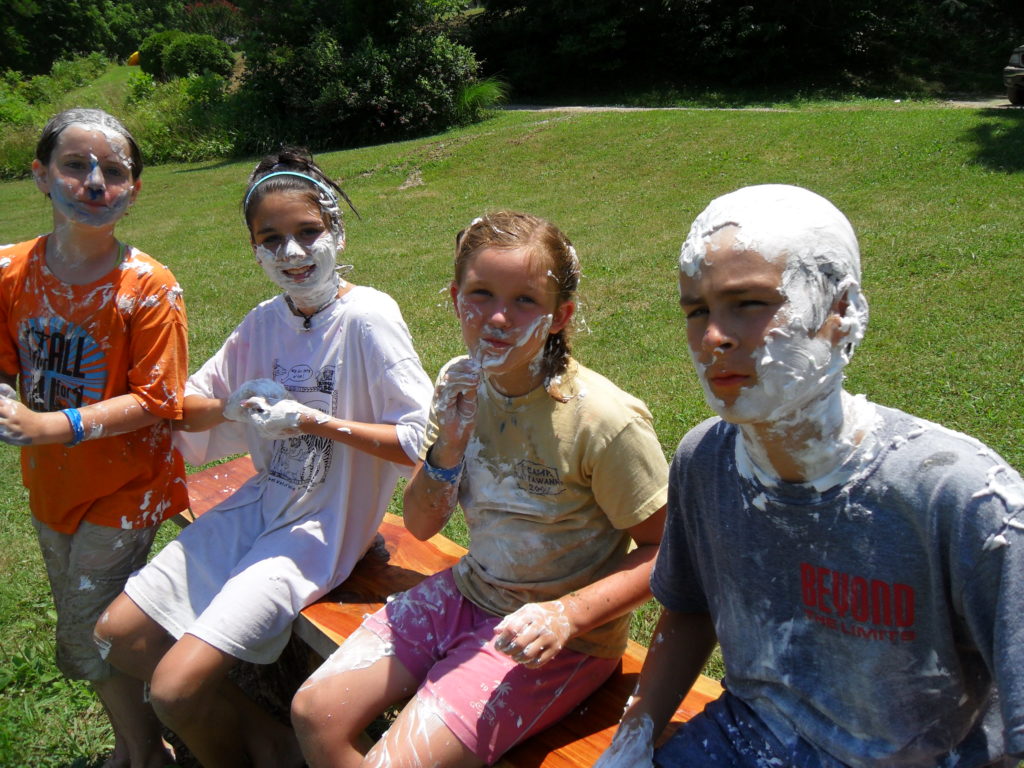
(357, 363)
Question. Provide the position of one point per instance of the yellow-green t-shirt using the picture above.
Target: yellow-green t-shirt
(549, 488)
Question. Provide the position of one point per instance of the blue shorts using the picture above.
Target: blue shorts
(729, 733)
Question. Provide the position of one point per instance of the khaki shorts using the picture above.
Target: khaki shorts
(87, 570)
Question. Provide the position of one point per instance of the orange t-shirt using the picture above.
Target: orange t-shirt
(73, 345)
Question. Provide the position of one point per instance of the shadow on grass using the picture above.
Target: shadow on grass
(999, 140)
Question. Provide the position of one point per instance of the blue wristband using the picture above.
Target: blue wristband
(78, 431)
(449, 476)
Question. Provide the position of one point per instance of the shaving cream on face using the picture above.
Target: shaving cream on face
(798, 369)
(310, 290)
(493, 358)
(92, 141)
(822, 263)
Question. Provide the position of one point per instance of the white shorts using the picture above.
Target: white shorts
(236, 583)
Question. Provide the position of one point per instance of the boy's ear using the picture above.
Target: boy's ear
(41, 177)
(833, 326)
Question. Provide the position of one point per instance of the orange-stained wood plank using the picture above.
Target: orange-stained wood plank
(209, 487)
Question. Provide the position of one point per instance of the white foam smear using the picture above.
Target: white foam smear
(362, 649)
(1001, 484)
(318, 281)
(461, 378)
(411, 740)
(105, 142)
(268, 389)
(632, 746)
(8, 397)
(799, 373)
(547, 620)
(281, 419)
(492, 356)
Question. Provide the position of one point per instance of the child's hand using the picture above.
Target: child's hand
(18, 424)
(632, 747)
(280, 419)
(265, 388)
(455, 401)
(535, 633)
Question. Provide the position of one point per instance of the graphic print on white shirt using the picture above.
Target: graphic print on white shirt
(304, 461)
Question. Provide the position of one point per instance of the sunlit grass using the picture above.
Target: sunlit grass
(933, 193)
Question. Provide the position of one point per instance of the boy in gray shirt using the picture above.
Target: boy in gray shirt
(862, 569)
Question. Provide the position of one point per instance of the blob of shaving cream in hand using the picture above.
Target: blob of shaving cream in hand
(278, 420)
(268, 389)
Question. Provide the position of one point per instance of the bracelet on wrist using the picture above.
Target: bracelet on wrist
(77, 429)
(450, 476)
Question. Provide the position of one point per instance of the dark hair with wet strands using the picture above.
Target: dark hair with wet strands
(81, 116)
(541, 239)
(287, 162)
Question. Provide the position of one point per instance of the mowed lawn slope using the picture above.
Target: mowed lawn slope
(934, 194)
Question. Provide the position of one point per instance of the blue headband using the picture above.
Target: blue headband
(327, 190)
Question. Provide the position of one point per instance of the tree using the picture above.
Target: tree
(39, 32)
(557, 45)
(328, 73)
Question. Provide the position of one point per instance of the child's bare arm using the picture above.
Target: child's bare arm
(201, 413)
(537, 631)
(680, 647)
(20, 425)
(380, 440)
(432, 493)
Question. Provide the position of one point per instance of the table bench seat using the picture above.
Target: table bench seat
(398, 561)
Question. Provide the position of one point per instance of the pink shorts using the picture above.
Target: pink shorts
(486, 699)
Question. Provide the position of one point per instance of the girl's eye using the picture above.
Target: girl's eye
(75, 165)
(270, 240)
(526, 300)
(115, 171)
(695, 312)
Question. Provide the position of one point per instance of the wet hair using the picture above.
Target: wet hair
(80, 116)
(293, 170)
(541, 239)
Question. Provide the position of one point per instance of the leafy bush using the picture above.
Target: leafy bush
(183, 121)
(40, 32)
(359, 72)
(479, 96)
(219, 18)
(195, 54)
(151, 52)
(141, 86)
(551, 47)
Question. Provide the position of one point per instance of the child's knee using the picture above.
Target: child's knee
(313, 709)
(117, 630)
(173, 695)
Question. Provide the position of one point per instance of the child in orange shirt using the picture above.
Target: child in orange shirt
(93, 334)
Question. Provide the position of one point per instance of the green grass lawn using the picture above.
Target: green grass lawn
(933, 192)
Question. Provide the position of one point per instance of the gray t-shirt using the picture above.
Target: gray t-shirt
(876, 620)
